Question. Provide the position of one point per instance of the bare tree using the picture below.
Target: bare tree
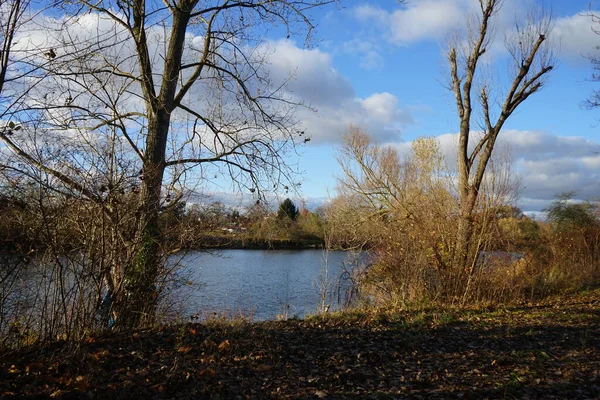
(11, 15)
(178, 85)
(531, 58)
(593, 101)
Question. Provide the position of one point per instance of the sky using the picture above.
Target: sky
(380, 65)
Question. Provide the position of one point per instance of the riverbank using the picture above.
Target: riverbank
(543, 350)
(242, 242)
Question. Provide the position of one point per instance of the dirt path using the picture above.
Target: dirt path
(549, 350)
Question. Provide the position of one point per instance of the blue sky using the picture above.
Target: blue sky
(388, 59)
(380, 65)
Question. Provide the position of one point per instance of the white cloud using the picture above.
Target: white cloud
(419, 20)
(320, 85)
(416, 20)
(307, 76)
(576, 35)
(426, 19)
(314, 80)
(368, 14)
(383, 107)
(367, 49)
(547, 164)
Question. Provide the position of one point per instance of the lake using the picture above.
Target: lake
(261, 284)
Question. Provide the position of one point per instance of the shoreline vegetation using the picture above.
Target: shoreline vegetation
(548, 349)
(246, 243)
(217, 226)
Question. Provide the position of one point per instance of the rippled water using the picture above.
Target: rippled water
(262, 284)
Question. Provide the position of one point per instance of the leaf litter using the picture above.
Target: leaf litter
(544, 350)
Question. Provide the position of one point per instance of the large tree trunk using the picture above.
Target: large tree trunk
(464, 232)
(139, 305)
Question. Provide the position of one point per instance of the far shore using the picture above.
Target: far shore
(234, 243)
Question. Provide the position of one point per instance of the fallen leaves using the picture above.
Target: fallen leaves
(184, 349)
(535, 351)
(224, 346)
(81, 383)
(262, 368)
(208, 344)
(207, 372)
(100, 354)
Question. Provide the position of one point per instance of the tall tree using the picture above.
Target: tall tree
(11, 13)
(288, 210)
(14, 15)
(531, 58)
(177, 85)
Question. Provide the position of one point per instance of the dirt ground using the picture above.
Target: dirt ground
(534, 351)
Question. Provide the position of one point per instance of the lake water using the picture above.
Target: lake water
(262, 284)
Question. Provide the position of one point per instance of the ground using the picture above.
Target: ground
(544, 350)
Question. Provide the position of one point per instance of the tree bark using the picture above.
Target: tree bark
(472, 164)
(140, 293)
(138, 307)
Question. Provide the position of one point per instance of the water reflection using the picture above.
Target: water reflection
(262, 284)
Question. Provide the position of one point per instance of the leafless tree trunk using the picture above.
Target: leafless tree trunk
(593, 101)
(532, 60)
(13, 14)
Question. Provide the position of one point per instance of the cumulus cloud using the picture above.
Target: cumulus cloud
(429, 19)
(547, 164)
(550, 165)
(304, 76)
(421, 20)
(417, 20)
(319, 85)
(576, 35)
(313, 78)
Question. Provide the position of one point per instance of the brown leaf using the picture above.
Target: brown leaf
(207, 372)
(184, 349)
(263, 368)
(82, 383)
(100, 354)
(224, 346)
(57, 393)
